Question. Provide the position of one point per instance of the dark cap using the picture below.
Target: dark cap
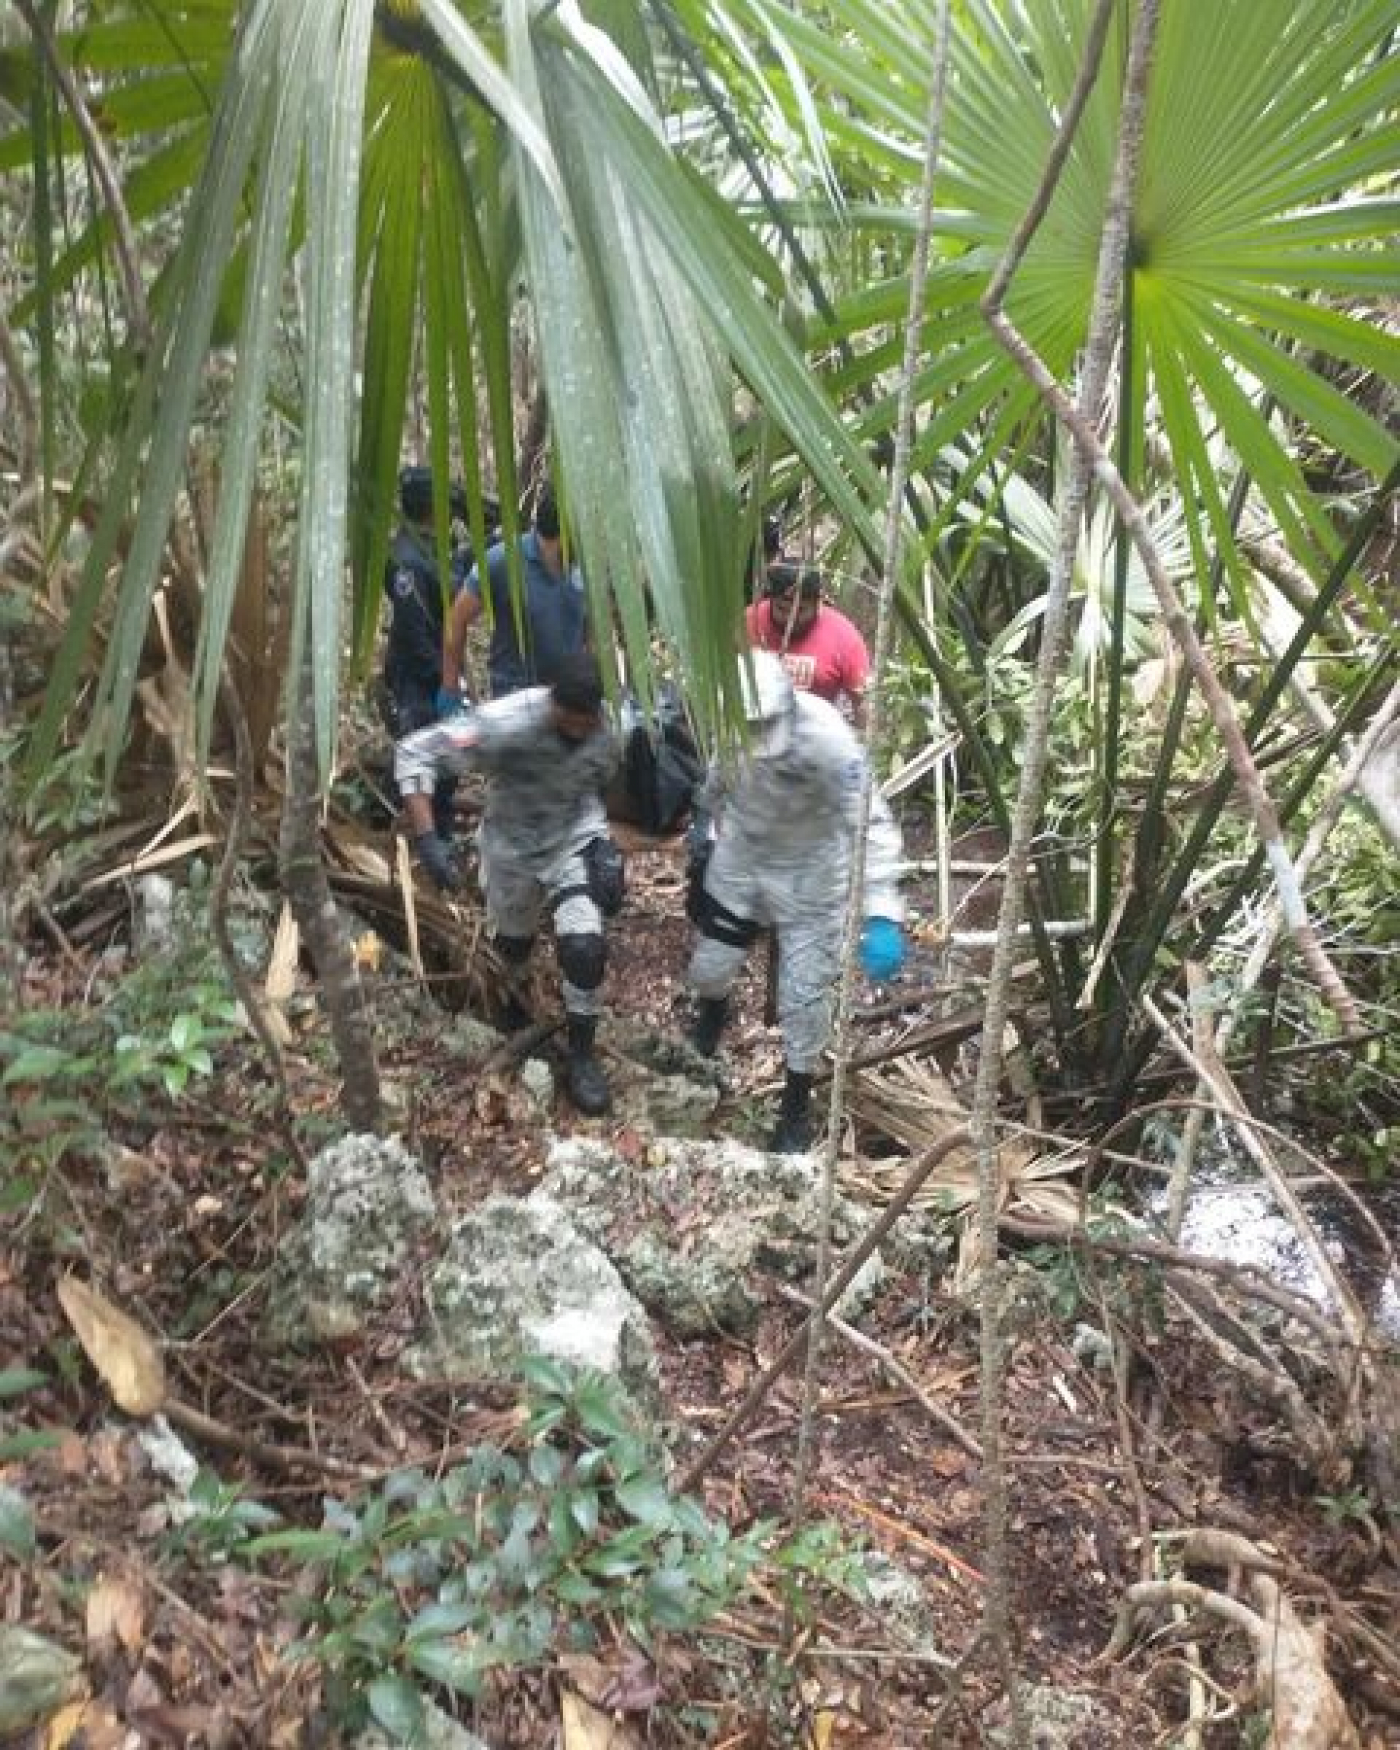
(578, 683)
(416, 493)
(546, 513)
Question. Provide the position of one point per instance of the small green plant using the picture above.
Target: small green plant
(182, 1052)
(1346, 1508)
(1070, 1284)
(152, 1031)
(218, 1518)
(509, 1559)
(15, 1382)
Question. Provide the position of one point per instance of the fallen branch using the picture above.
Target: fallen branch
(837, 1285)
(892, 1364)
(280, 1458)
(1317, 1442)
(1248, 1278)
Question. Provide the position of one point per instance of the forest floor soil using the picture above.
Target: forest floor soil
(180, 1230)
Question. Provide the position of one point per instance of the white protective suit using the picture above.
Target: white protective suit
(786, 825)
(543, 808)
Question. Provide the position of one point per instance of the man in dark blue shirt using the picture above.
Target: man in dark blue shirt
(553, 621)
(413, 589)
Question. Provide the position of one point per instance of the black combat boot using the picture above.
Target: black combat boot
(792, 1135)
(515, 951)
(515, 1017)
(711, 1014)
(584, 1078)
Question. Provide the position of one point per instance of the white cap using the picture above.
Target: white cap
(766, 690)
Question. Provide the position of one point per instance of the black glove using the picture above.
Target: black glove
(697, 901)
(435, 854)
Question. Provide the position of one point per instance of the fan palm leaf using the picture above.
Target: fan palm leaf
(472, 149)
(1268, 188)
(410, 220)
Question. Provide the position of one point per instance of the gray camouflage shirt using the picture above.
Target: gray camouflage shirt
(543, 792)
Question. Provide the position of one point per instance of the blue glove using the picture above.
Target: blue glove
(881, 949)
(448, 701)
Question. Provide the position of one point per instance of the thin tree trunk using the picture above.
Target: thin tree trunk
(933, 136)
(221, 895)
(11, 956)
(1078, 419)
(1099, 345)
(21, 421)
(309, 895)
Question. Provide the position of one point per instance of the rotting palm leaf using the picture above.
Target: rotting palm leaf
(911, 1103)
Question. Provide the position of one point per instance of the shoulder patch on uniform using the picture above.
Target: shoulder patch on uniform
(403, 581)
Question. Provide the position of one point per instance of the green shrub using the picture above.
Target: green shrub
(507, 1560)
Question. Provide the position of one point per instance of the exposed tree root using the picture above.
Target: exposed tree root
(1291, 1680)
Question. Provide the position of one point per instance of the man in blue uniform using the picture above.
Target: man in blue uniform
(414, 590)
(413, 691)
(553, 611)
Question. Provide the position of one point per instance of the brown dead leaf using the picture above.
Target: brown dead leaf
(635, 1687)
(589, 1728)
(85, 1725)
(71, 1455)
(368, 949)
(589, 1674)
(280, 984)
(121, 1351)
(116, 1613)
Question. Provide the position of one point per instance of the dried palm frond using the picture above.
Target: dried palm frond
(911, 1103)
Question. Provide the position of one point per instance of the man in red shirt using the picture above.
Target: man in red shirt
(821, 649)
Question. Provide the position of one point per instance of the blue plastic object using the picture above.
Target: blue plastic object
(881, 949)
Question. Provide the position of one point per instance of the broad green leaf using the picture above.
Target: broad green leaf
(15, 1381)
(436, 1620)
(645, 1498)
(17, 1535)
(448, 1662)
(397, 1706)
(302, 1546)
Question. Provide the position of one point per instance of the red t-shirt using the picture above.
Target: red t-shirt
(829, 658)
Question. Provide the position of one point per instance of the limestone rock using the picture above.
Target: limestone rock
(368, 1207)
(692, 1234)
(519, 1278)
(1059, 1719)
(467, 1040)
(537, 1079)
(898, 1602)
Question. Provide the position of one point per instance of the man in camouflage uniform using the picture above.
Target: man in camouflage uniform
(546, 753)
(786, 808)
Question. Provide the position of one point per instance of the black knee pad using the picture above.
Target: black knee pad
(514, 950)
(582, 960)
(722, 925)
